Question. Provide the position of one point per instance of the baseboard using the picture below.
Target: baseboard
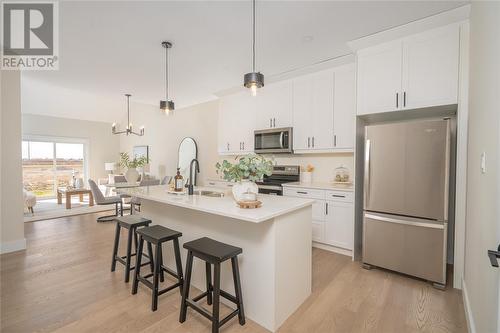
(332, 249)
(13, 246)
(471, 326)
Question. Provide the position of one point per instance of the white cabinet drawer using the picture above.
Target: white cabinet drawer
(343, 196)
(304, 193)
(318, 231)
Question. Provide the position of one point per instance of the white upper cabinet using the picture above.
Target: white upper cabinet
(430, 71)
(274, 105)
(236, 123)
(344, 115)
(418, 71)
(379, 78)
(324, 111)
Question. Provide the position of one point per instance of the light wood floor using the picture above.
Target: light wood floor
(63, 283)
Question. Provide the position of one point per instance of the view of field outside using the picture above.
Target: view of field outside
(49, 165)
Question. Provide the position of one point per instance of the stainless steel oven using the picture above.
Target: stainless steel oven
(281, 174)
(273, 141)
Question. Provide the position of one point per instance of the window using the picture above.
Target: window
(48, 165)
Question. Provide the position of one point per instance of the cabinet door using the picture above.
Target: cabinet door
(344, 110)
(318, 210)
(274, 105)
(379, 78)
(236, 123)
(339, 226)
(245, 123)
(302, 112)
(322, 110)
(226, 113)
(430, 68)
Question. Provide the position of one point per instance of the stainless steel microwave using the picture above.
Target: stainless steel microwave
(273, 141)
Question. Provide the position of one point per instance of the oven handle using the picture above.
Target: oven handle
(281, 139)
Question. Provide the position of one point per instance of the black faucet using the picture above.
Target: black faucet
(191, 186)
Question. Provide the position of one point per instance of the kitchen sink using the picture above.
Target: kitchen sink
(207, 193)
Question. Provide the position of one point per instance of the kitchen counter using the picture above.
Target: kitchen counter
(272, 206)
(322, 186)
(276, 263)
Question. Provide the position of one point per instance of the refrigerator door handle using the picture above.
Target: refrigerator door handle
(405, 222)
(367, 173)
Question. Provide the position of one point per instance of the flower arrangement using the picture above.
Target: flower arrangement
(308, 168)
(136, 162)
(250, 167)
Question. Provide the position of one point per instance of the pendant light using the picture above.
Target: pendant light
(167, 105)
(128, 130)
(253, 80)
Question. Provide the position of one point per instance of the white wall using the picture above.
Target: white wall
(481, 281)
(163, 135)
(11, 197)
(103, 145)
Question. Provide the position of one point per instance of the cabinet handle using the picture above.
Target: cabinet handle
(397, 100)
(308, 142)
(335, 141)
(326, 209)
(338, 196)
(228, 146)
(243, 143)
(404, 98)
(211, 183)
(313, 141)
(270, 122)
(274, 122)
(301, 192)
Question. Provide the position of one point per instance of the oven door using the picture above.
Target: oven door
(274, 140)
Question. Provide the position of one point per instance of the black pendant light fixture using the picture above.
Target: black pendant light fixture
(167, 105)
(253, 80)
(128, 130)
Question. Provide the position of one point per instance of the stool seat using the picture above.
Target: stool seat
(128, 221)
(212, 250)
(158, 234)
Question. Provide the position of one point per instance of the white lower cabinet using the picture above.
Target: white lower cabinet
(332, 215)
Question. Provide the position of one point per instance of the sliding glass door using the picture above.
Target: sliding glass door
(51, 163)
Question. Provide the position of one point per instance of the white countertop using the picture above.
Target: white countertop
(272, 206)
(322, 186)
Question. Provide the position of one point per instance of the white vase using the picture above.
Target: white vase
(306, 177)
(132, 175)
(242, 187)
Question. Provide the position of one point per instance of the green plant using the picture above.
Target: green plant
(136, 162)
(252, 167)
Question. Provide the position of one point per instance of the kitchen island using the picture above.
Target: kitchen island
(275, 265)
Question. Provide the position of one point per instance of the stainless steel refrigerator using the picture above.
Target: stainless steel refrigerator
(406, 187)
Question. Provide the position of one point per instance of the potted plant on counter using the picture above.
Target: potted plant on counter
(132, 175)
(245, 172)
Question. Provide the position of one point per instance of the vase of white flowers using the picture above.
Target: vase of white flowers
(245, 172)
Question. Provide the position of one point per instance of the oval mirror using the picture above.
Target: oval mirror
(188, 151)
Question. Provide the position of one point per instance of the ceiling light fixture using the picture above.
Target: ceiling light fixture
(167, 105)
(128, 130)
(253, 80)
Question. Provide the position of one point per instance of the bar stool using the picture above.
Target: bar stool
(158, 235)
(130, 222)
(212, 252)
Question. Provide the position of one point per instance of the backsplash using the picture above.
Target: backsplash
(324, 164)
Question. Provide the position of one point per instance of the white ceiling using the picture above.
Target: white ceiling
(111, 48)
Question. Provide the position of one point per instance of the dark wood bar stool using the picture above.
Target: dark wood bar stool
(213, 253)
(132, 223)
(158, 235)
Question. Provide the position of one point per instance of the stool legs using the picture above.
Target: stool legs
(237, 290)
(208, 271)
(137, 271)
(215, 309)
(160, 259)
(187, 284)
(129, 254)
(115, 247)
(150, 254)
(156, 275)
(178, 263)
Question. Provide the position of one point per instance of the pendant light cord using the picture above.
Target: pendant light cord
(166, 74)
(253, 45)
